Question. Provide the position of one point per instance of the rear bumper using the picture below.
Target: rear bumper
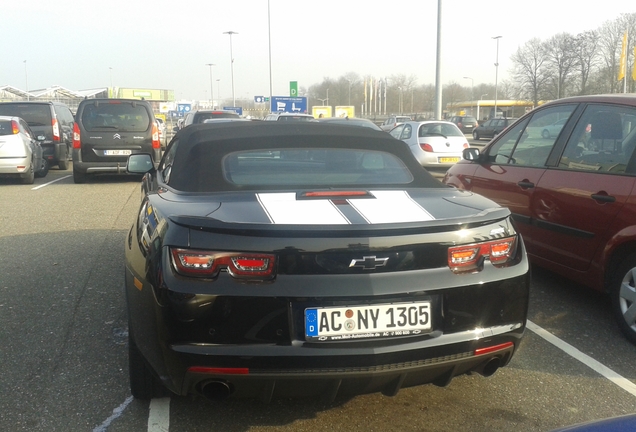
(384, 373)
(10, 165)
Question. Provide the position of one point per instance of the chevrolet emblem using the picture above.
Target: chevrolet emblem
(369, 262)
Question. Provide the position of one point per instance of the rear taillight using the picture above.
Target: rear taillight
(15, 128)
(470, 258)
(56, 130)
(208, 264)
(426, 147)
(155, 136)
(77, 143)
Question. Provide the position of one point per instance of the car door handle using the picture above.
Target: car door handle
(603, 198)
(526, 184)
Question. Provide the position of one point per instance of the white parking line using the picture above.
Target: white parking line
(596, 366)
(51, 182)
(117, 412)
(159, 416)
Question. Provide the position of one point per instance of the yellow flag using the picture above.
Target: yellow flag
(634, 69)
(622, 67)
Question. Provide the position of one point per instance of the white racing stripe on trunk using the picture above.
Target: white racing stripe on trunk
(283, 208)
(390, 207)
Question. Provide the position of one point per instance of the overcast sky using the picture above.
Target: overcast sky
(167, 44)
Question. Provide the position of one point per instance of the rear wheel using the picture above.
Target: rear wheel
(476, 135)
(29, 176)
(44, 169)
(63, 165)
(143, 384)
(79, 177)
(623, 296)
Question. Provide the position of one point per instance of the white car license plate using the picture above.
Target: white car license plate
(371, 321)
(117, 152)
(448, 159)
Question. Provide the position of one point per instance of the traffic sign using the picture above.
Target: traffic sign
(238, 110)
(293, 89)
(259, 99)
(288, 104)
(184, 108)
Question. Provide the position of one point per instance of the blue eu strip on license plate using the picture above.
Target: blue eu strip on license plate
(311, 322)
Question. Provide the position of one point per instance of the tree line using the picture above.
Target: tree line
(563, 65)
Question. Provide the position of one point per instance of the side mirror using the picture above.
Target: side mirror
(471, 154)
(139, 163)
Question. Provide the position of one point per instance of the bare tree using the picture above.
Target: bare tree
(561, 61)
(586, 51)
(529, 70)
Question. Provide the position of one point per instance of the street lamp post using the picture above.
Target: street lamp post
(471, 93)
(211, 86)
(218, 89)
(232, 64)
(496, 71)
(482, 96)
(26, 81)
(349, 91)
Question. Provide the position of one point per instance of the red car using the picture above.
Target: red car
(572, 194)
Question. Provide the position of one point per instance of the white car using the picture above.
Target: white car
(435, 144)
(20, 152)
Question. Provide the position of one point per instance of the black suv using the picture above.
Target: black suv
(492, 127)
(199, 116)
(52, 124)
(466, 124)
(107, 131)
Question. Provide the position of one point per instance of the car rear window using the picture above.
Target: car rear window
(33, 114)
(438, 129)
(123, 117)
(6, 128)
(201, 117)
(314, 167)
(468, 119)
(295, 118)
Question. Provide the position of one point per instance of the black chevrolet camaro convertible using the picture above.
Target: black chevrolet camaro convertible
(275, 259)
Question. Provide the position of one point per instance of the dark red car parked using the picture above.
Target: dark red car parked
(572, 194)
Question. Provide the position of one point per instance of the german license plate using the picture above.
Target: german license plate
(117, 152)
(448, 159)
(371, 321)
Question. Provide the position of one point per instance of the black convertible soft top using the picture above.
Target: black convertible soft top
(202, 147)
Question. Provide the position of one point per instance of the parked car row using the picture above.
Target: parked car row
(567, 172)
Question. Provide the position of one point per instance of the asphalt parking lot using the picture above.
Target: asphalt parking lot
(63, 328)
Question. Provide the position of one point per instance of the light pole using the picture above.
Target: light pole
(110, 71)
(471, 93)
(496, 71)
(269, 36)
(232, 64)
(211, 82)
(26, 81)
(482, 96)
(349, 91)
(218, 89)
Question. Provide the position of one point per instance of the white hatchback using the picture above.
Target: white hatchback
(435, 144)
(20, 152)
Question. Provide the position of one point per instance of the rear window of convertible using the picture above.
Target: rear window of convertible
(314, 167)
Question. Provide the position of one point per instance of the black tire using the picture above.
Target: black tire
(143, 384)
(476, 136)
(63, 165)
(623, 297)
(44, 169)
(29, 176)
(79, 177)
